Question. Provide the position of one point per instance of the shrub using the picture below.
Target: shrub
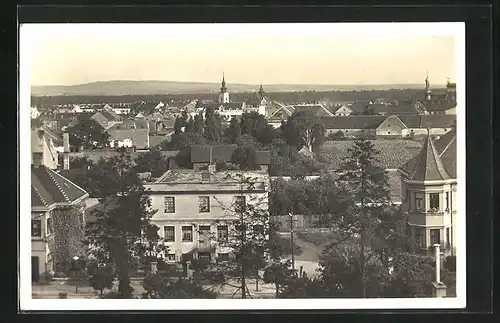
(450, 263)
(62, 295)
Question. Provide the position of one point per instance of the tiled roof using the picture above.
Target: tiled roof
(282, 112)
(317, 109)
(447, 148)
(438, 121)
(107, 115)
(48, 188)
(353, 122)
(441, 105)
(393, 153)
(188, 176)
(411, 121)
(402, 107)
(201, 154)
(427, 165)
(359, 106)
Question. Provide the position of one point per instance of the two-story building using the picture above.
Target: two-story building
(193, 209)
(429, 182)
(50, 193)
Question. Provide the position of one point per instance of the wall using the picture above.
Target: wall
(187, 213)
(39, 246)
(423, 131)
(391, 126)
(352, 132)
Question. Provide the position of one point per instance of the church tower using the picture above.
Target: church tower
(428, 96)
(261, 91)
(223, 95)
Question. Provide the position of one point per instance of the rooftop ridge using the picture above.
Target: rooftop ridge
(39, 195)
(57, 184)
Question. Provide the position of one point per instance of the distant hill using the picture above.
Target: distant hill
(169, 87)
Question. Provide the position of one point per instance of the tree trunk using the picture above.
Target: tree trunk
(362, 263)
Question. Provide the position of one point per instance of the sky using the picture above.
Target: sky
(330, 54)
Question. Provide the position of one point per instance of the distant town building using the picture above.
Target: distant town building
(34, 113)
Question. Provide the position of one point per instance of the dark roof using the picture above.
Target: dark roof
(437, 121)
(359, 106)
(440, 105)
(427, 165)
(402, 107)
(411, 121)
(353, 122)
(263, 157)
(255, 99)
(317, 109)
(447, 148)
(108, 115)
(48, 187)
(201, 154)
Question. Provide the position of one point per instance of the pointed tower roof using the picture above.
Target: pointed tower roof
(223, 88)
(427, 165)
(261, 90)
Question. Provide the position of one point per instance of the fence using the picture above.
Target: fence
(301, 222)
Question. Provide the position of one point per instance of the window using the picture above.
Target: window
(240, 203)
(258, 229)
(169, 232)
(223, 257)
(37, 158)
(435, 236)
(419, 237)
(171, 257)
(447, 200)
(169, 204)
(434, 201)
(204, 204)
(448, 236)
(36, 228)
(222, 233)
(204, 233)
(418, 202)
(50, 229)
(187, 233)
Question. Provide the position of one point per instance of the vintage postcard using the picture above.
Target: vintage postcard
(243, 166)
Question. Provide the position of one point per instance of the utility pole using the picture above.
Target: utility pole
(291, 239)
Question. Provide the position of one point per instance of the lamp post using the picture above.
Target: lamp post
(291, 239)
(76, 268)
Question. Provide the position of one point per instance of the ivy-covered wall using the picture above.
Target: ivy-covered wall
(68, 236)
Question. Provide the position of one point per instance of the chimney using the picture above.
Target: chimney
(439, 288)
(66, 150)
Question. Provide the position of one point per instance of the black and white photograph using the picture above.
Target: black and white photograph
(242, 166)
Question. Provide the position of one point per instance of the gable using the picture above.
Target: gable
(392, 123)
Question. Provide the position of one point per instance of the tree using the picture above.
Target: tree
(101, 278)
(199, 126)
(248, 231)
(178, 125)
(278, 273)
(304, 129)
(248, 141)
(67, 225)
(122, 228)
(213, 127)
(374, 236)
(156, 287)
(80, 163)
(252, 123)
(88, 134)
(246, 158)
(190, 125)
(151, 161)
(183, 141)
(233, 131)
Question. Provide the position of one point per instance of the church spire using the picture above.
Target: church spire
(223, 88)
(427, 87)
(261, 89)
